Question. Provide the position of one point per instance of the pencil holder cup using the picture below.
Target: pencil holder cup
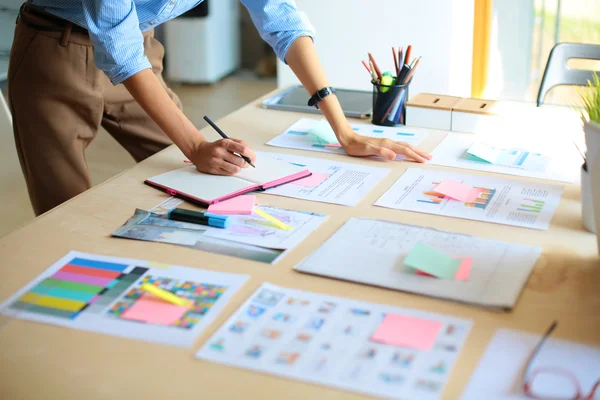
(587, 202)
(389, 104)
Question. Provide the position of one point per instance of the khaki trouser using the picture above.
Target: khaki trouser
(59, 99)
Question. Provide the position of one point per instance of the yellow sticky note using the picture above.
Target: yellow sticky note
(273, 220)
(154, 264)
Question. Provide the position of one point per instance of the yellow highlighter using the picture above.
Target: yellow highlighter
(165, 295)
(272, 220)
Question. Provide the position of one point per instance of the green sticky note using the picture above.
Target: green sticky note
(323, 131)
(434, 262)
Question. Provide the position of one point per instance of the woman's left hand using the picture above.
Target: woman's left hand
(362, 146)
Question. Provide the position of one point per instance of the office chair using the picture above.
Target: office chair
(558, 73)
(5, 117)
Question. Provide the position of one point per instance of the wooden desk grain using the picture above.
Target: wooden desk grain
(47, 362)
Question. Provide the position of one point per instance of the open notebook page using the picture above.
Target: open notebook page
(270, 170)
(203, 187)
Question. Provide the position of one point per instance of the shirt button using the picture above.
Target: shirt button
(171, 3)
(150, 23)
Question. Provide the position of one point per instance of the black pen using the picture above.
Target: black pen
(224, 136)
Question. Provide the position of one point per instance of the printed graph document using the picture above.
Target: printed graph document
(332, 182)
(369, 348)
(502, 201)
(373, 252)
(190, 184)
(557, 163)
(298, 136)
(499, 374)
(103, 294)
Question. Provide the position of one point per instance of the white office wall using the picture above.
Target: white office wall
(440, 30)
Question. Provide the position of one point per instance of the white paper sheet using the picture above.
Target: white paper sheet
(346, 184)
(103, 313)
(257, 231)
(502, 201)
(557, 162)
(372, 251)
(500, 371)
(298, 137)
(324, 339)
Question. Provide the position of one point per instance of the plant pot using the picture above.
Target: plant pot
(592, 139)
(587, 204)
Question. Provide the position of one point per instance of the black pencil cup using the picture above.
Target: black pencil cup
(389, 104)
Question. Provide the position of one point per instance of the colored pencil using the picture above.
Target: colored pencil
(375, 66)
(411, 72)
(407, 56)
(395, 55)
(366, 66)
(373, 75)
(400, 59)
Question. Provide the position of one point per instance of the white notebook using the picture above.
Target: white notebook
(190, 184)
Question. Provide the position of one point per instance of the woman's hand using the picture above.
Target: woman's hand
(357, 145)
(217, 157)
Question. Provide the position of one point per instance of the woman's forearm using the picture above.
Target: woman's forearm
(303, 60)
(147, 90)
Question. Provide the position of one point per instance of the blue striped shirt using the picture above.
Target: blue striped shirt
(116, 26)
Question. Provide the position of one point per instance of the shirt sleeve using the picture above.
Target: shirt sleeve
(114, 29)
(279, 23)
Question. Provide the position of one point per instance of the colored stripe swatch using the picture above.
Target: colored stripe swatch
(100, 273)
(98, 264)
(80, 278)
(52, 302)
(79, 287)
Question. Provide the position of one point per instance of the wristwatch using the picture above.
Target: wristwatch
(319, 96)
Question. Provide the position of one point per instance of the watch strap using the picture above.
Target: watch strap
(320, 95)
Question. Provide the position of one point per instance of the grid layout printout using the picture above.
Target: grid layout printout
(364, 347)
(103, 294)
(502, 201)
(298, 136)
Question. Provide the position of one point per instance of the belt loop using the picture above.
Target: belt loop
(66, 35)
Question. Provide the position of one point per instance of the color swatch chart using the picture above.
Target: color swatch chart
(103, 294)
(502, 201)
(358, 346)
(297, 136)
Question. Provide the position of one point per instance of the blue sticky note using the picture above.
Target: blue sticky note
(323, 131)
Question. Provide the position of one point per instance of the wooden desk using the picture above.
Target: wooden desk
(47, 362)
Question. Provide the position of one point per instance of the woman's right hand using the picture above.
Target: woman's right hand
(217, 157)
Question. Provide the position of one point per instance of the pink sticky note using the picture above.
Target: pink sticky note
(238, 205)
(154, 311)
(402, 330)
(464, 270)
(312, 181)
(421, 273)
(457, 190)
(336, 145)
(462, 274)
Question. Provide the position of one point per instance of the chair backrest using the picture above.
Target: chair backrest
(558, 73)
(5, 118)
